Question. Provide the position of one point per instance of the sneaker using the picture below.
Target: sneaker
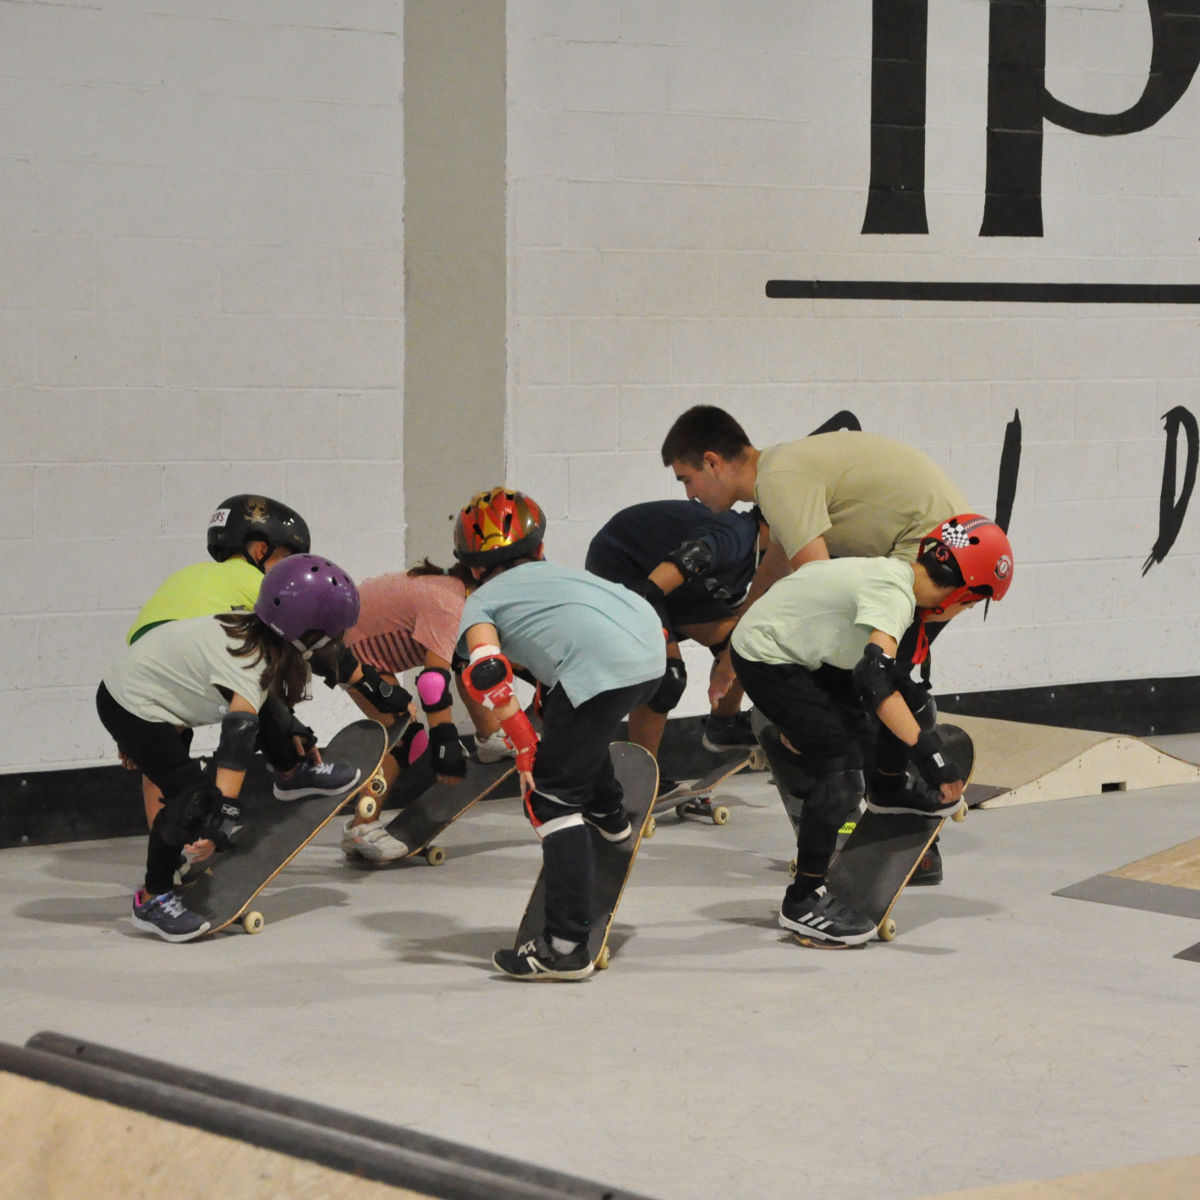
(166, 916)
(727, 733)
(922, 800)
(824, 918)
(667, 788)
(929, 869)
(611, 826)
(371, 841)
(537, 960)
(315, 779)
(493, 748)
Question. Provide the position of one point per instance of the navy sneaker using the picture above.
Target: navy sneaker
(537, 960)
(315, 779)
(166, 916)
(823, 918)
(727, 733)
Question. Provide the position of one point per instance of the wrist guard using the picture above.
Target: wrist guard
(447, 750)
(387, 697)
(928, 758)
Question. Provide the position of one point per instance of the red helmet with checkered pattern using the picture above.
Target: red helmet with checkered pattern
(981, 551)
(498, 526)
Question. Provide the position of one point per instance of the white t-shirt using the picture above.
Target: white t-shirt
(172, 673)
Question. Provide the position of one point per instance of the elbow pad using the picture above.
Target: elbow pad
(489, 677)
(239, 734)
(693, 558)
(874, 677)
(386, 697)
(433, 688)
(670, 688)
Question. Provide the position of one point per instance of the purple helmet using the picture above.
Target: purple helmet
(305, 593)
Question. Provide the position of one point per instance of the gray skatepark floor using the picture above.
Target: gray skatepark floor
(1007, 1034)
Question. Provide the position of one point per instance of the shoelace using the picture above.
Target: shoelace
(171, 904)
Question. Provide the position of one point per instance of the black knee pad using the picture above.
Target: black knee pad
(836, 796)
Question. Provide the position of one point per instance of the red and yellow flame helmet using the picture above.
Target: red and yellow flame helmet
(498, 526)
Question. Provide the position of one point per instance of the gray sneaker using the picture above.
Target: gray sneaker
(166, 916)
(371, 841)
(493, 748)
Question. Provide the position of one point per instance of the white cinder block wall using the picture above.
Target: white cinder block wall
(200, 293)
(202, 273)
(668, 157)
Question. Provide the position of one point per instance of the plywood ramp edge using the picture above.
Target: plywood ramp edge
(60, 1143)
(1033, 763)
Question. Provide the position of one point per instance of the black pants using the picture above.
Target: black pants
(820, 715)
(573, 774)
(159, 749)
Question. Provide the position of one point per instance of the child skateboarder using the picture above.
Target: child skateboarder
(597, 651)
(224, 670)
(817, 656)
(408, 620)
(695, 567)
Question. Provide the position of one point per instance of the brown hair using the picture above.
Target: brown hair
(457, 571)
(702, 428)
(285, 674)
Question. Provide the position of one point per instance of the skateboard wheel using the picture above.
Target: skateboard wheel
(887, 930)
(377, 785)
(960, 813)
(253, 922)
(367, 807)
(435, 856)
(648, 830)
(758, 759)
(681, 811)
(792, 868)
(602, 959)
(720, 815)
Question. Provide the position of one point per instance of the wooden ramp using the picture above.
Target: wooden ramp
(1017, 763)
(80, 1119)
(1172, 1179)
(1167, 882)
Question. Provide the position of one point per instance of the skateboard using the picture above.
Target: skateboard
(696, 800)
(877, 861)
(437, 808)
(638, 775)
(274, 831)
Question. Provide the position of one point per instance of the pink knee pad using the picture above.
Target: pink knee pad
(417, 746)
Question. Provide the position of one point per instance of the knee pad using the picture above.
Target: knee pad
(670, 688)
(412, 744)
(836, 796)
(548, 816)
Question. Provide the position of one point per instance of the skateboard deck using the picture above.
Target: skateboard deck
(696, 800)
(877, 861)
(431, 812)
(274, 831)
(613, 861)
